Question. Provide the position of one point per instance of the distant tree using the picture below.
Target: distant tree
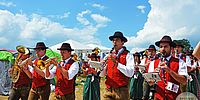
(185, 43)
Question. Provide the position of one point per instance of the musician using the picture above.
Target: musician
(173, 71)
(193, 79)
(21, 88)
(40, 88)
(91, 90)
(151, 55)
(119, 68)
(180, 55)
(136, 81)
(65, 72)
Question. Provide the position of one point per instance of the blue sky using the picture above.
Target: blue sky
(143, 22)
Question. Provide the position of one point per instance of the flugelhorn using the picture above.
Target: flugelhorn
(42, 64)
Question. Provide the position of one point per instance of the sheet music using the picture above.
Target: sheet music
(152, 76)
(141, 67)
(95, 64)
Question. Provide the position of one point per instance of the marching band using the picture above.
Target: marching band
(123, 72)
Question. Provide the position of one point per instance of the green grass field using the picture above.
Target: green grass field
(79, 89)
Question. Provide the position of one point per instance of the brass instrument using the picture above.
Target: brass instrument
(16, 67)
(75, 57)
(96, 50)
(42, 64)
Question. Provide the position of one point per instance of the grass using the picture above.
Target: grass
(79, 89)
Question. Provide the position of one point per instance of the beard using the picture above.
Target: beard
(165, 54)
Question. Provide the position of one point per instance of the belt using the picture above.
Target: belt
(21, 86)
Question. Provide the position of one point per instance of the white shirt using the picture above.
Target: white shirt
(196, 64)
(73, 70)
(127, 69)
(143, 61)
(188, 60)
(30, 68)
(182, 66)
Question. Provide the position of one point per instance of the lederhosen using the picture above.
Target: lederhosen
(21, 88)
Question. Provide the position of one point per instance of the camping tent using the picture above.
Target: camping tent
(6, 60)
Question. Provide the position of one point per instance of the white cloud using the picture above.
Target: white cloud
(141, 8)
(168, 17)
(80, 17)
(101, 20)
(7, 4)
(64, 16)
(26, 30)
(3, 40)
(99, 6)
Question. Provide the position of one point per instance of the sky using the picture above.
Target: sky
(143, 22)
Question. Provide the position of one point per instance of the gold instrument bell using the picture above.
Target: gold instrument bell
(41, 64)
(16, 67)
(22, 49)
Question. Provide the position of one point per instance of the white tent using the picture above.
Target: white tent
(102, 48)
(77, 46)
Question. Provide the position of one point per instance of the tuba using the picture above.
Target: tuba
(17, 67)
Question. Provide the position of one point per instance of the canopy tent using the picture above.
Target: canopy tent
(6, 61)
(77, 46)
(102, 48)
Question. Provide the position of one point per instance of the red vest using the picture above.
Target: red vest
(114, 77)
(38, 80)
(23, 80)
(147, 67)
(63, 85)
(161, 92)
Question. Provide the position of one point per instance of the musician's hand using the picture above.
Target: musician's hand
(54, 61)
(157, 70)
(29, 62)
(25, 67)
(151, 82)
(164, 66)
(113, 58)
(93, 71)
(48, 64)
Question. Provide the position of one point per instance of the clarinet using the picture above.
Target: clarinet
(162, 59)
